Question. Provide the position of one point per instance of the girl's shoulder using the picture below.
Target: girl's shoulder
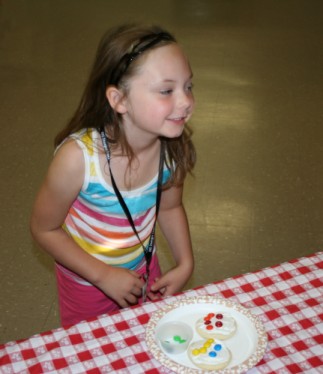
(66, 169)
(85, 139)
(68, 151)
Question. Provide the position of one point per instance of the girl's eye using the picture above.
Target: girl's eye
(190, 87)
(166, 92)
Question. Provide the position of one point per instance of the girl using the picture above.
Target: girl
(120, 162)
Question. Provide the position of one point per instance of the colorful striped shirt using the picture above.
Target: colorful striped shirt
(96, 220)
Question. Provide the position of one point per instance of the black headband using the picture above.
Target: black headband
(143, 45)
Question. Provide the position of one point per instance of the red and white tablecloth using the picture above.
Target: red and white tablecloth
(287, 298)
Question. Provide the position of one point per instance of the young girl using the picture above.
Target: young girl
(119, 164)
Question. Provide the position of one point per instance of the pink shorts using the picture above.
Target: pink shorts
(79, 301)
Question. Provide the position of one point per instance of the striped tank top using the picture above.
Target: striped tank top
(96, 220)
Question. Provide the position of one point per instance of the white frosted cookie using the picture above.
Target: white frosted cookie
(218, 325)
(209, 354)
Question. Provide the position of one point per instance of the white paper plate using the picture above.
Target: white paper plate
(247, 345)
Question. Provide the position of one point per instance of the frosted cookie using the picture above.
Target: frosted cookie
(218, 325)
(209, 354)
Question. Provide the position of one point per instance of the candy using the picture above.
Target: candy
(207, 344)
(203, 349)
(209, 316)
(209, 354)
(207, 320)
(178, 339)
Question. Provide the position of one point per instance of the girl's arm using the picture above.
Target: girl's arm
(174, 225)
(61, 186)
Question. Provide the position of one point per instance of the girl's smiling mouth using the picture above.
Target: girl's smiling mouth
(178, 120)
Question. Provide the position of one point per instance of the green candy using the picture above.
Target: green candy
(178, 339)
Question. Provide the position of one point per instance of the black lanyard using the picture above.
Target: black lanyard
(148, 250)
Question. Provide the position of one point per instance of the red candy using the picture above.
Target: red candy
(209, 316)
(207, 320)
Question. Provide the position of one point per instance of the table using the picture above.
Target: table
(287, 298)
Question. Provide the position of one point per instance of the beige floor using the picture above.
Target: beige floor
(256, 199)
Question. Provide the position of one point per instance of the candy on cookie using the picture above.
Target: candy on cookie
(220, 325)
(209, 354)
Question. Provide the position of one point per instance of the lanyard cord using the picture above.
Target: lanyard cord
(148, 250)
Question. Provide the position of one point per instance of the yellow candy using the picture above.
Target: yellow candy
(203, 349)
(207, 344)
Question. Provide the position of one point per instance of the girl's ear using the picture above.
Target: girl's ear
(116, 99)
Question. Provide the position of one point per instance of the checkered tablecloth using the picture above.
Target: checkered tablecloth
(287, 298)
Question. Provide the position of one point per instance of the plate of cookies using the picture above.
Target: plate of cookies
(206, 334)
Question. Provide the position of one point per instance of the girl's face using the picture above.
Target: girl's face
(159, 100)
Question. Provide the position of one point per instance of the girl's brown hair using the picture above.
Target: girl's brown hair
(113, 66)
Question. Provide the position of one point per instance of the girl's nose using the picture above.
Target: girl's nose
(186, 100)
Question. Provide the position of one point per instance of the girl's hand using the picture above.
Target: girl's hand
(122, 285)
(169, 283)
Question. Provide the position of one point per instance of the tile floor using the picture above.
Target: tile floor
(256, 199)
